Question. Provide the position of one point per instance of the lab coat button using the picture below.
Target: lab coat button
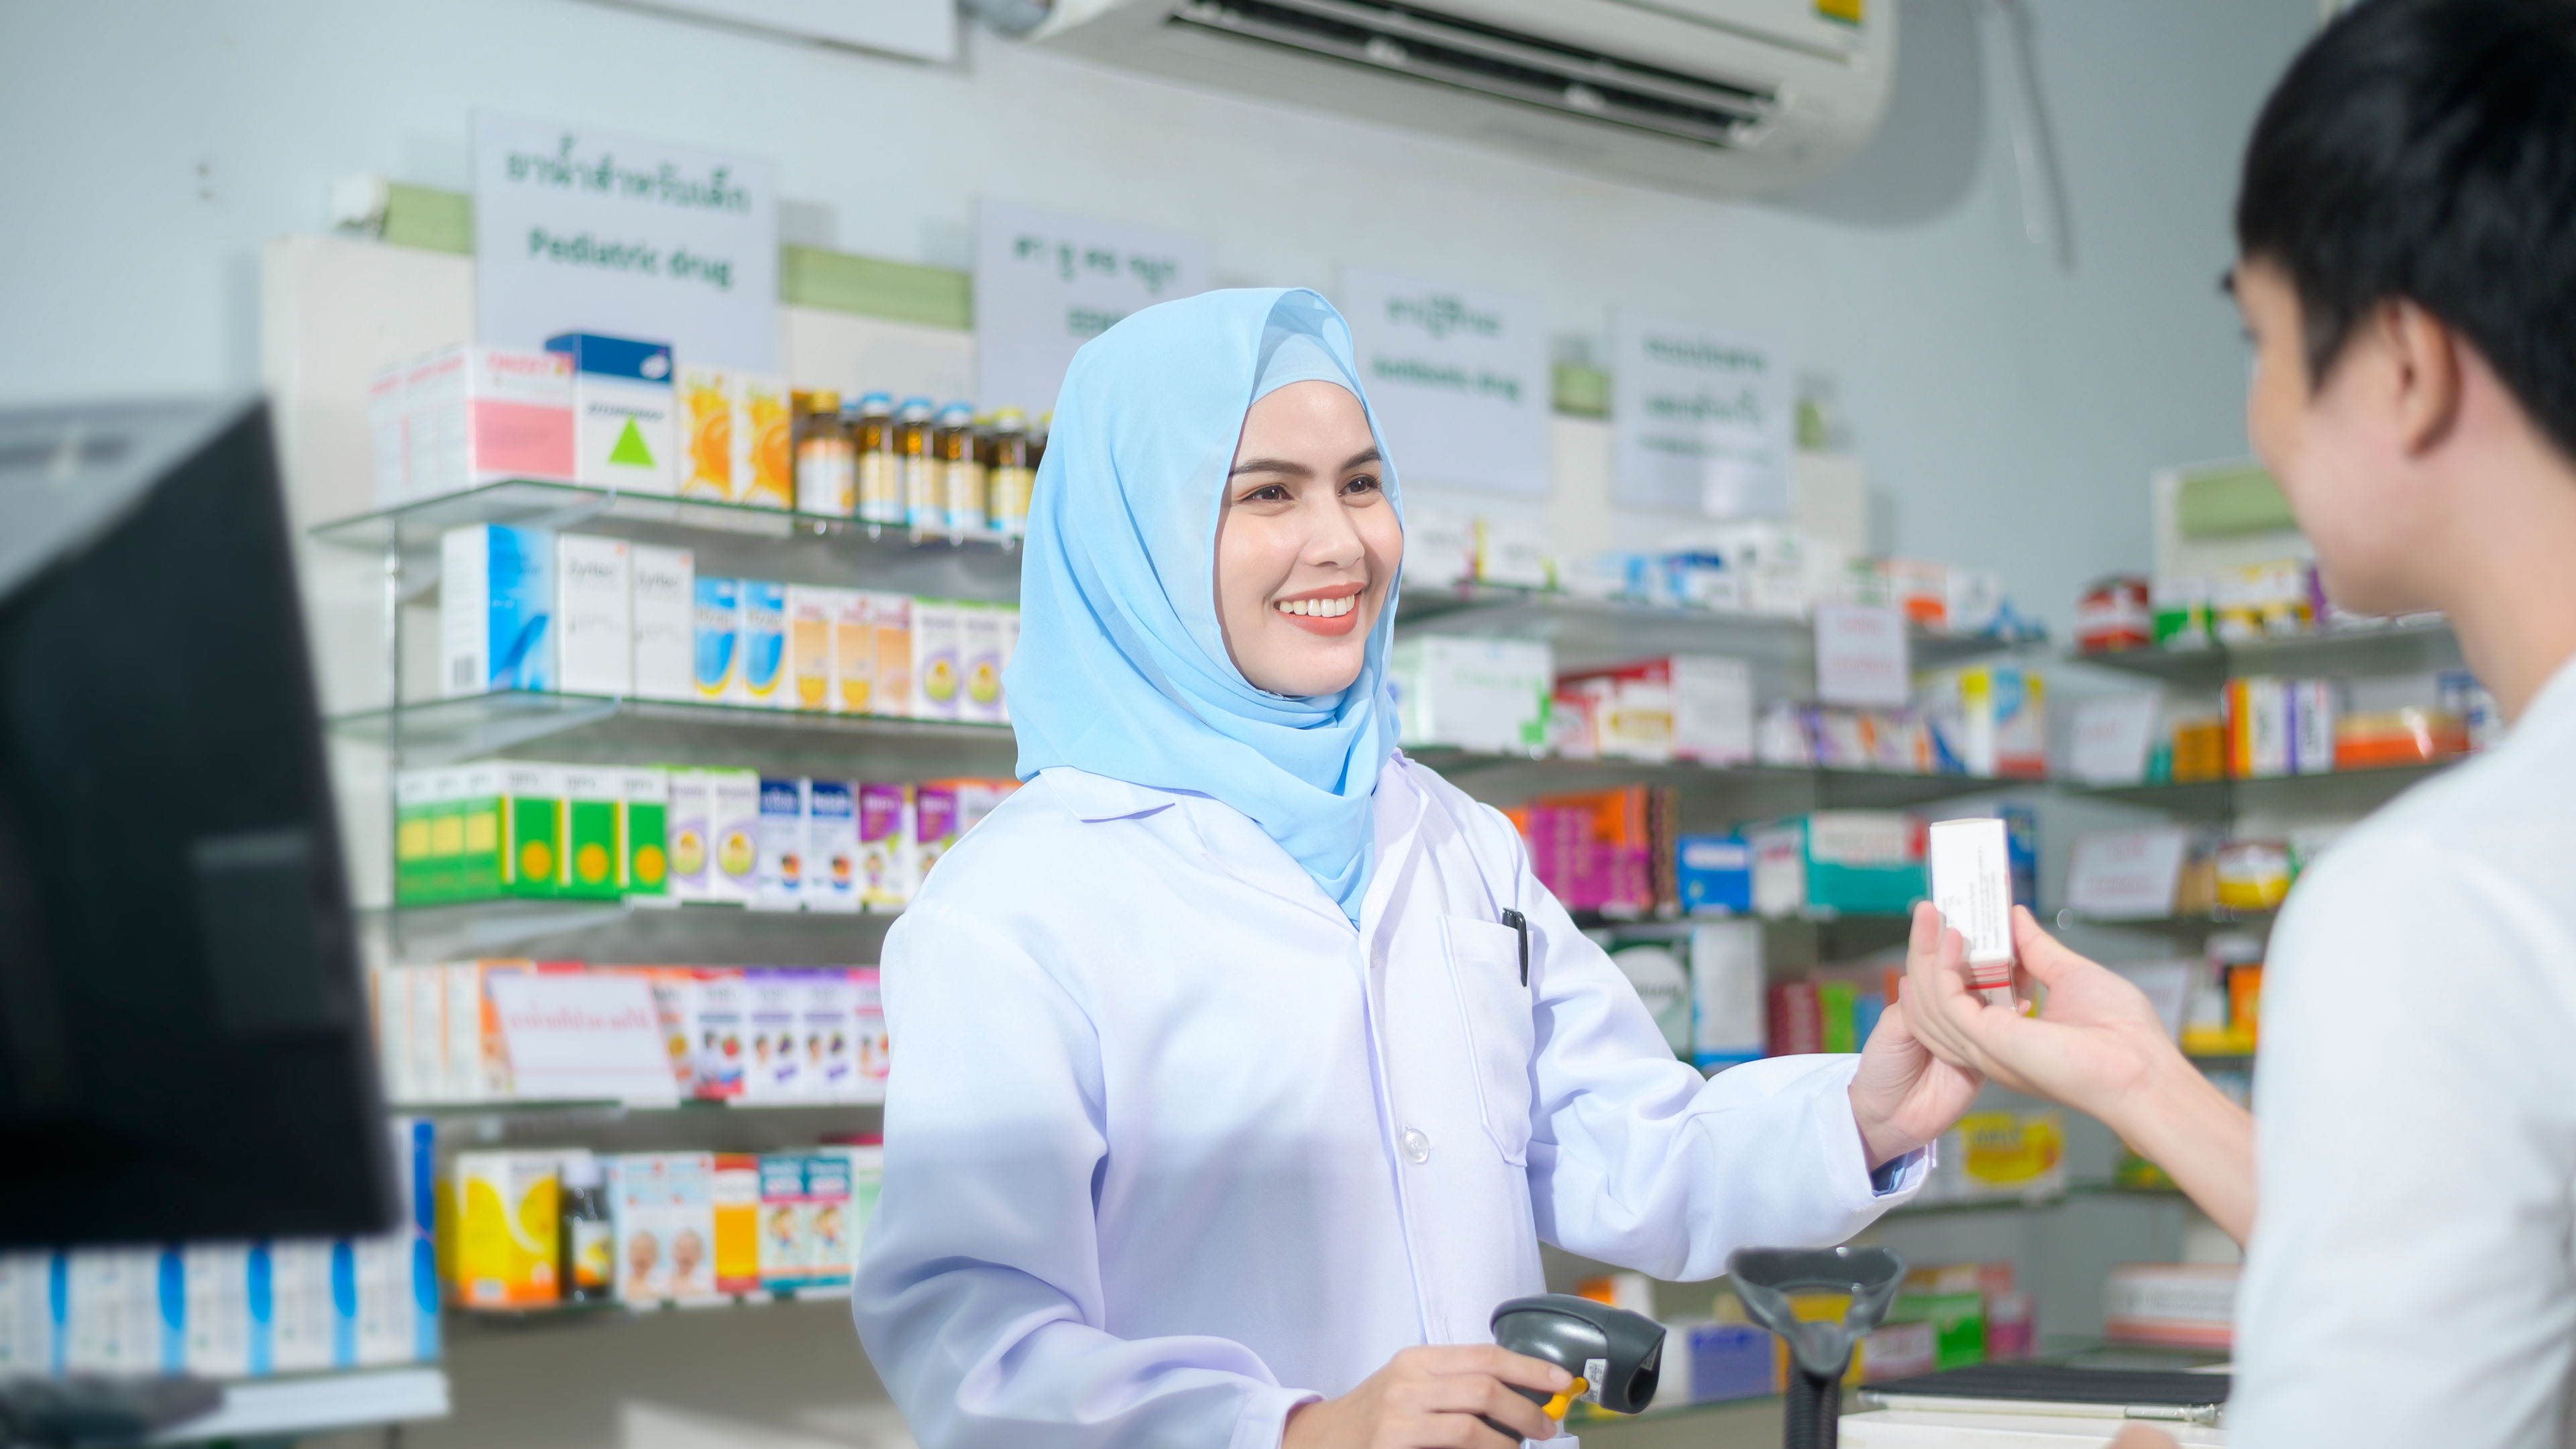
(1417, 1146)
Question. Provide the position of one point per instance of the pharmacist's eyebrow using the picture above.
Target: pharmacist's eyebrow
(1288, 466)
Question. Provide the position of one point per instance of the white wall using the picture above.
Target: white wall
(2008, 412)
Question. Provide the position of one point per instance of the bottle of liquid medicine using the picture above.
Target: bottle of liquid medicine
(589, 1249)
(825, 482)
(961, 474)
(914, 458)
(880, 481)
(1010, 475)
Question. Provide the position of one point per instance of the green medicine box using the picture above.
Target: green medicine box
(590, 860)
(643, 849)
(1958, 1324)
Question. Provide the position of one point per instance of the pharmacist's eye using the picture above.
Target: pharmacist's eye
(1268, 493)
(1364, 483)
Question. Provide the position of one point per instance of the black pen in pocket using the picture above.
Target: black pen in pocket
(1520, 926)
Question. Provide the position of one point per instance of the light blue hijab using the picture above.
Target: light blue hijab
(1121, 668)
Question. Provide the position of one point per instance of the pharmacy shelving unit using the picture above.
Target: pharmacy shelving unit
(291, 1406)
(407, 724)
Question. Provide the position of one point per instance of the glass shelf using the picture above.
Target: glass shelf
(2187, 926)
(611, 1310)
(1845, 788)
(632, 933)
(294, 1406)
(639, 730)
(2341, 791)
(2412, 647)
(729, 538)
(1586, 631)
(610, 1109)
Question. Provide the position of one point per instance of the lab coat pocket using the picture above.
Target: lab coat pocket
(1494, 1010)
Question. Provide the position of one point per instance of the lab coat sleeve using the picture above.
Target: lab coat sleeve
(2408, 1281)
(978, 1294)
(1637, 1160)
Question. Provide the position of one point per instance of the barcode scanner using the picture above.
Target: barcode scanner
(1819, 1351)
(1615, 1356)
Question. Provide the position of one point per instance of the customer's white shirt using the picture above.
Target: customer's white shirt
(1171, 1147)
(2410, 1282)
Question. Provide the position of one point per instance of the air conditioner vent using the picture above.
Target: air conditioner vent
(1491, 61)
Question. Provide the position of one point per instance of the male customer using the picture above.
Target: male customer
(2407, 267)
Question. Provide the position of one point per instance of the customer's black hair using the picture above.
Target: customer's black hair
(2426, 150)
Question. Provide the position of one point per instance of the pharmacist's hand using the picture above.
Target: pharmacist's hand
(1904, 1095)
(1433, 1398)
(2094, 1045)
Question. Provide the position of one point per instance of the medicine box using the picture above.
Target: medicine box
(691, 1176)
(980, 661)
(717, 642)
(1837, 862)
(1726, 994)
(624, 406)
(1474, 693)
(1970, 865)
(388, 450)
(762, 679)
(1715, 873)
(302, 1331)
(1990, 718)
(736, 1196)
(780, 878)
(685, 827)
(717, 1034)
(885, 845)
(937, 641)
(663, 611)
(417, 877)
(643, 826)
(734, 830)
(1691, 707)
(809, 647)
(763, 468)
(496, 609)
(505, 1250)
(854, 649)
(592, 795)
(868, 1032)
(707, 422)
(831, 846)
(640, 1211)
(828, 1018)
(891, 695)
(773, 1066)
(471, 416)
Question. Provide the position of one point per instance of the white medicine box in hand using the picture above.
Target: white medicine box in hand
(1971, 864)
(624, 412)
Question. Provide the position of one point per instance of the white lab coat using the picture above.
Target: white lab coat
(1171, 1147)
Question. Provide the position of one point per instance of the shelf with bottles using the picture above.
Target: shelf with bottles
(722, 529)
(630, 729)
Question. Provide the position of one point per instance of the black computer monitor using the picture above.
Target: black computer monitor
(183, 1036)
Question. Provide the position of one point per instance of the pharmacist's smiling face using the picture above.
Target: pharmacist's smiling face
(1306, 543)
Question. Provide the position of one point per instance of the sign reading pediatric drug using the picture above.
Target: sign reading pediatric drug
(1701, 419)
(1046, 283)
(581, 231)
(1459, 379)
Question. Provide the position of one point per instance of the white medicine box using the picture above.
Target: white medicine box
(624, 412)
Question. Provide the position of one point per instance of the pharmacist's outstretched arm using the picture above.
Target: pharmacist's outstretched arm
(2097, 1046)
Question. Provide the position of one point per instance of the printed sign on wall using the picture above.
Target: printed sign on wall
(1701, 419)
(580, 231)
(1458, 377)
(1046, 283)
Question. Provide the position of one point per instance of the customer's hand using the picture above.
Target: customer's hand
(2139, 1436)
(2094, 1045)
(1434, 1398)
(2097, 1046)
(1904, 1095)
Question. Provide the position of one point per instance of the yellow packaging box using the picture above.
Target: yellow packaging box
(503, 1223)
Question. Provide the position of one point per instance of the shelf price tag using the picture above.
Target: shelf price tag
(579, 1035)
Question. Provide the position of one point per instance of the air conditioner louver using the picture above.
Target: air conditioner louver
(1445, 50)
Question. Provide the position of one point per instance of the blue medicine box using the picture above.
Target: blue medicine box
(1715, 873)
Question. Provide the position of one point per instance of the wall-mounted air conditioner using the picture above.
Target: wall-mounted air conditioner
(1716, 97)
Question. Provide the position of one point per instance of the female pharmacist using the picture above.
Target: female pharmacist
(2407, 240)
(1231, 1097)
